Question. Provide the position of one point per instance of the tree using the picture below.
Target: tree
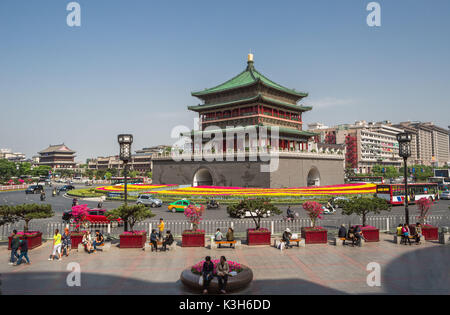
(258, 208)
(149, 174)
(79, 214)
(108, 175)
(314, 210)
(362, 206)
(194, 214)
(26, 212)
(424, 204)
(130, 214)
(7, 169)
(100, 174)
(41, 170)
(6, 215)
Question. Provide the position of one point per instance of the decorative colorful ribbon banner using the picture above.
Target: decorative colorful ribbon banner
(354, 188)
(130, 187)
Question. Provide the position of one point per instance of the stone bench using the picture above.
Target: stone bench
(106, 246)
(398, 240)
(300, 242)
(218, 244)
(339, 241)
(444, 238)
(149, 246)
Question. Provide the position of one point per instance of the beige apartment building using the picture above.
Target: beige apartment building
(432, 143)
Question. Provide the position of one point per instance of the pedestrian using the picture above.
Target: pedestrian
(15, 243)
(154, 240)
(161, 228)
(342, 234)
(23, 252)
(207, 273)
(66, 242)
(168, 240)
(223, 270)
(56, 246)
(418, 234)
(98, 241)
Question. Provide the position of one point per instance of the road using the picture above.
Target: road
(61, 203)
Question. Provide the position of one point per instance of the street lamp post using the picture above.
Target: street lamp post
(404, 141)
(125, 141)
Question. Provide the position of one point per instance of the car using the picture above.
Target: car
(242, 214)
(149, 200)
(179, 205)
(34, 189)
(66, 188)
(445, 195)
(94, 216)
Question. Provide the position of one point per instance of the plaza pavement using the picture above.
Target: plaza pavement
(316, 269)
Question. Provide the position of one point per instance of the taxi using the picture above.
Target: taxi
(179, 205)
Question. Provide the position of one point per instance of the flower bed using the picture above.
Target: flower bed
(34, 239)
(76, 238)
(234, 266)
(134, 239)
(430, 232)
(130, 188)
(190, 277)
(316, 235)
(258, 237)
(191, 238)
(357, 188)
(371, 233)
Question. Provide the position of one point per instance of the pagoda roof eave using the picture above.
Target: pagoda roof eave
(281, 130)
(198, 108)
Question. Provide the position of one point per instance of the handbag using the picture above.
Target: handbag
(200, 281)
(294, 236)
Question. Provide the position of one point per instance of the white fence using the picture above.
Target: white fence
(12, 187)
(240, 226)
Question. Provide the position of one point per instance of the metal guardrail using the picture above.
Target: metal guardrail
(240, 226)
(12, 187)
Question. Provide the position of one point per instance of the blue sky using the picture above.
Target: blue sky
(131, 65)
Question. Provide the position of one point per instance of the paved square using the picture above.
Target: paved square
(316, 269)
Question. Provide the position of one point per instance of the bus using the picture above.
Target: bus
(366, 179)
(121, 180)
(395, 193)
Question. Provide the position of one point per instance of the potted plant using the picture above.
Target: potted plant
(362, 206)
(258, 208)
(314, 234)
(430, 232)
(79, 214)
(131, 214)
(27, 212)
(193, 237)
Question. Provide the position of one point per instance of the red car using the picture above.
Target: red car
(94, 216)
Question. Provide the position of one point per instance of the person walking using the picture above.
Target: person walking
(223, 270)
(15, 243)
(56, 246)
(23, 252)
(207, 273)
(161, 228)
(66, 242)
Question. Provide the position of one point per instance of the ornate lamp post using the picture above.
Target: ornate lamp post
(404, 141)
(125, 141)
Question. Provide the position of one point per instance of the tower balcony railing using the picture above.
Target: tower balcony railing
(312, 153)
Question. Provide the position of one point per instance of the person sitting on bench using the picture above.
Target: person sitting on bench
(287, 237)
(418, 234)
(230, 235)
(218, 236)
(342, 234)
(359, 235)
(405, 233)
(87, 241)
(351, 235)
(98, 241)
(154, 240)
(168, 240)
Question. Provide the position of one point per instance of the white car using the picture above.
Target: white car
(249, 214)
(445, 195)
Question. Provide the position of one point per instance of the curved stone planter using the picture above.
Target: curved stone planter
(236, 283)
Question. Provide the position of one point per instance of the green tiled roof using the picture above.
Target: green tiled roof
(248, 77)
(250, 99)
(281, 130)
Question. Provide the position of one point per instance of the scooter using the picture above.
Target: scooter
(329, 209)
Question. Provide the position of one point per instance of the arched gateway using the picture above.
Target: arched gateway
(313, 177)
(202, 178)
